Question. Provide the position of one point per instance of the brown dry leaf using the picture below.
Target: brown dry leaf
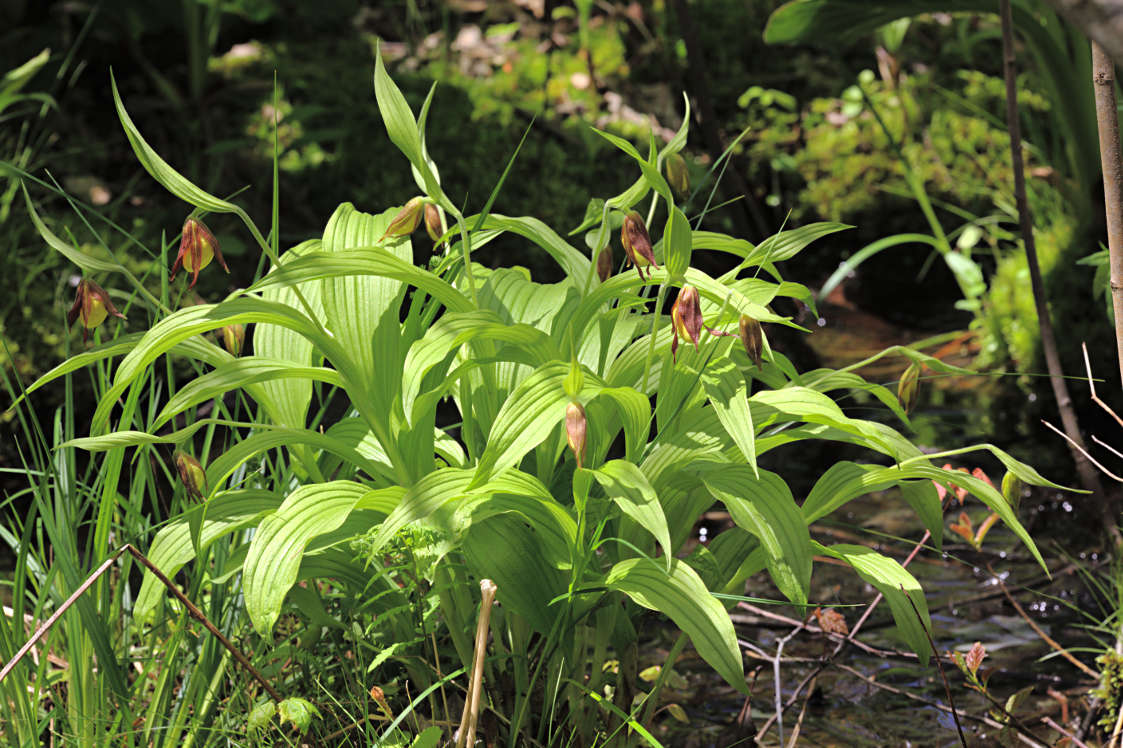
(831, 621)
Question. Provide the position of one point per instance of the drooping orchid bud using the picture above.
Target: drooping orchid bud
(91, 306)
(677, 175)
(686, 317)
(908, 387)
(407, 220)
(752, 338)
(604, 264)
(192, 475)
(433, 222)
(233, 338)
(575, 426)
(637, 243)
(197, 248)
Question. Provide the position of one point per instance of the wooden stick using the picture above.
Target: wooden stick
(467, 733)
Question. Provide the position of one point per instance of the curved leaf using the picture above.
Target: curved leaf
(227, 512)
(277, 548)
(894, 582)
(682, 597)
(765, 507)
(729, 395)
(626, 485)
(240, 372)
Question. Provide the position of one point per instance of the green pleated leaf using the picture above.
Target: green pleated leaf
(531, 414)
(197, 348)
(845, 481)
(423, 498)
(362, 311)
(366, 261)
(172, 547)
(770, 407)
(681, 596)
(403, 130)
(635, 414)
(922, 496)
(277, 547)
(187, 323)
(273, 438)
(555, 529)
(627, 486)
(574, 263)
(286, 401)
(765, 507)
(650, 172)
(506, 550)
(454, 330)
(787, 244)
(894, 582)
(430, 499)
(172, 180)
(88, 263)
(677, 243)
(238, 373)
(847, 20)
(728, 394)
(829, 380)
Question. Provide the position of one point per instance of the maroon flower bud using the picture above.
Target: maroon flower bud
(197, 248)
(752, 338)
(92, 306)
(192, 475)
(575, 425)
(604, 264)
(686, 317)
(433, 222)
(637, 243)
(407, 220)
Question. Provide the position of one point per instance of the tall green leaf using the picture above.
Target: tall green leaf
(681, 596)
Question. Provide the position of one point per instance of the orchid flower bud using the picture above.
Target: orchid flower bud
(575, 426)
(752, 338)
(233, 338)
(677, 175)
(908, 387)
(686, 317)
(637, 243)
(91, 306)
(407, 220)
(433, 222)
(192, 475)
(604, 264)
(1012, 487)
(196, 250)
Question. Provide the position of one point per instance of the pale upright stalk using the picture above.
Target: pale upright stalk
(1089, 479)
(1107, 121)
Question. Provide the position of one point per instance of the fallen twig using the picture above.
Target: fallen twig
(190, 606)
(1075, 740)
